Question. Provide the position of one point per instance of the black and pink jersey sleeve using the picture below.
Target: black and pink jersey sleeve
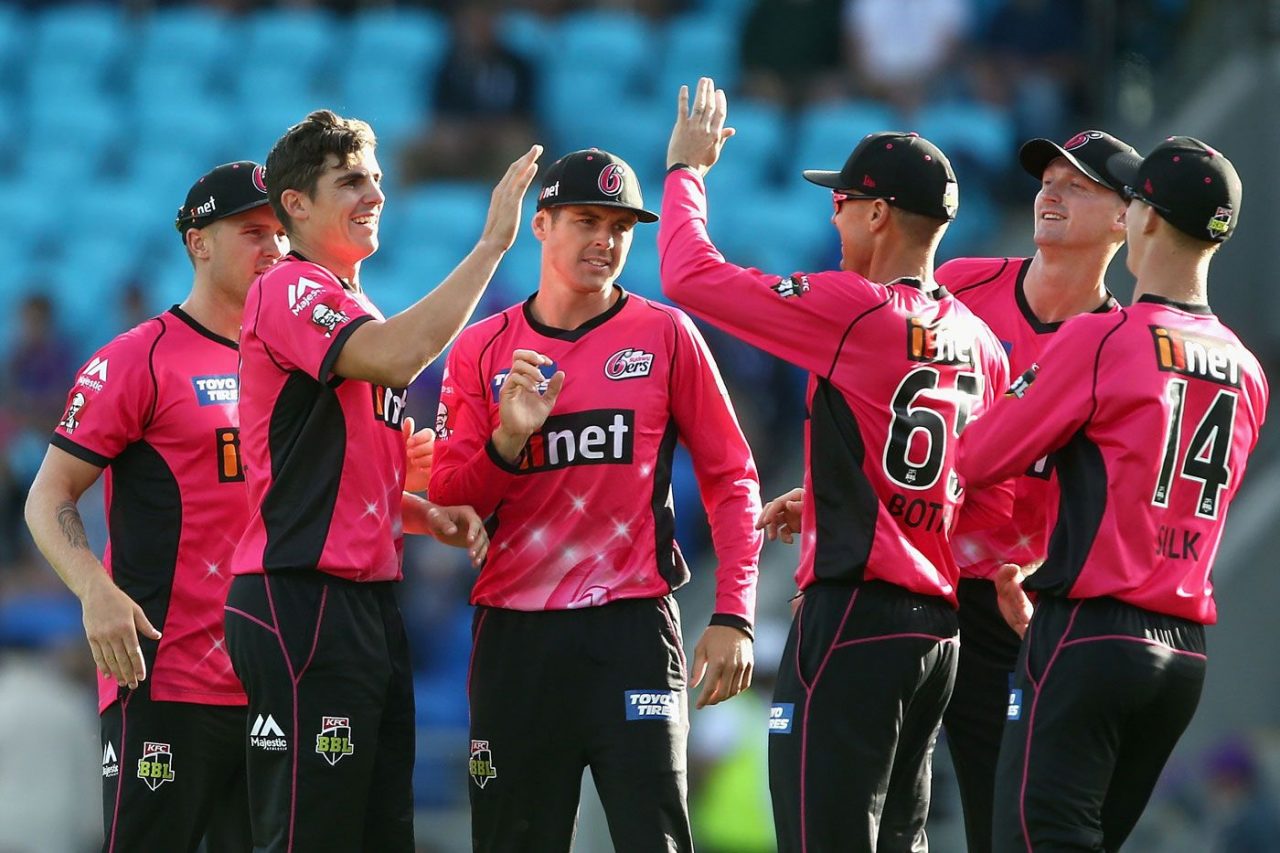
(585, 515)
(1151, 414)
(324, 454)
(156, 408)
(897, 373)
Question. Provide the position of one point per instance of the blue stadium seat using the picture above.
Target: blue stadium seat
(91, 34)
(196, 36)
(396, 105)
(697, 45)
(776, 230)
(964, 128)
(598, 40)
(290, 38)
(442, 214)
(526, 34)
(13, 42)
(411, 41)
(760, 140)
(635, 129)
(828, 132)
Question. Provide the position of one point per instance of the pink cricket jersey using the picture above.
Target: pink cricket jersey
(1151, 413)
(156, 408)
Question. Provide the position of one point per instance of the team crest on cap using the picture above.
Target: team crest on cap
(1220, 223)
(1081, 138)
(610, 181)
(260, 178)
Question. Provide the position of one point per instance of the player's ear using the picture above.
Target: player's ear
(197, 243)
(541, 224)
(295, 203)
(878, 215)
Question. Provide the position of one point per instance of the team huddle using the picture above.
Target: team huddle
(1014, 491)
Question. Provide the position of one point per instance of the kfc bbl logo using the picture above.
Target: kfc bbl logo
(155, 767)
(69, 421)
(482, 769)
(610, 182)
(327, 318)
(334, 741)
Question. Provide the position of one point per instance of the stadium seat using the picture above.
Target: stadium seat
(195, 36)
(969, 129)
(697, 45)
(89, 34)
(290, 37)
(621, 43)
(525, 33)
(828, 133)
(412, 41)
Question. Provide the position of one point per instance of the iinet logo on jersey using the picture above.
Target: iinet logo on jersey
(267, 735)
(302, 294)
(938, 343)
(1197, 355)
(595, 437)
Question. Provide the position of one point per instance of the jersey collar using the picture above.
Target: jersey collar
(201, 330)
(573, 334)
(1189, 307)
(1040, 327)
(345, 282)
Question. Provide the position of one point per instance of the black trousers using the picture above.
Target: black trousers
(555, 692)
(172, 774)
(863, 682)
(1102, 693)
(974, 721)
(325, 663)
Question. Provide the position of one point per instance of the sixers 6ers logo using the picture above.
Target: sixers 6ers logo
(610, 182)
(1081, 138)
(260, 179)
(628, 363)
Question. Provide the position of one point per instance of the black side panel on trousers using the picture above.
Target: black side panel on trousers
(845, 504)
(325, 664)
(172, 774)
(555, 692)
(1102, 693)
(864, 679)
(975, 716)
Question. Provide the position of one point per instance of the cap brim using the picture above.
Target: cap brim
(1036, 155)
(823, 178)
(642, 215)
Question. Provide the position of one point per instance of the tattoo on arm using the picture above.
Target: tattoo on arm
(72, 525)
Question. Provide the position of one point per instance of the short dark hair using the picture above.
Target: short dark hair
(300, 156)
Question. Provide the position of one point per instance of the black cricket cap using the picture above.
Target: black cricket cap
(904, 169)
(1093, 152)
(1194, 187)
(592, 176)
(227, 190)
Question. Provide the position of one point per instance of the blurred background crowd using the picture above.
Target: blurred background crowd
(114, 108)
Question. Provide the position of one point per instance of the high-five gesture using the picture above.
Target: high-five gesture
(699, 134)
(521, 406)
(504, 206)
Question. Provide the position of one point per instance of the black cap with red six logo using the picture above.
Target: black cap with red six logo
(592, 176)
(227, 190)
(1098, 155)
(905, 169)
(1192, 186)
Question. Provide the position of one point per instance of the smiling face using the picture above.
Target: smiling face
(1073, 210)
(242, 247)
(584, 246)
(337, 225)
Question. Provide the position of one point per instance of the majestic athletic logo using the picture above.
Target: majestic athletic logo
(628, 363)
(328, 318)
(593, 437)
(937, 343)
(95, 375)
(1203, 357)
(155, 767)
(334, 741)
(652, 704)
(266, 734)
(1220, 222)
(302, 294)
(793, 285)
(260, 179)
(216, 390)
(547, 371)
(780, 716)
(70, 420)
(110, 765)
(1081, 138)
(482, 769)
(610, 181)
